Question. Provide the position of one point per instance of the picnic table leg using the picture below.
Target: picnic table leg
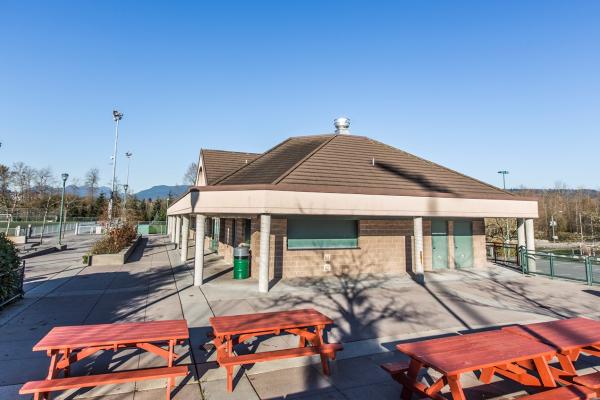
(52, 370)
(324, 364)
(566, 364)
(170, 381)
(486, 375)
(66, 356)
(456, 387)
(544, 372)
(413, 372)
(229, 368)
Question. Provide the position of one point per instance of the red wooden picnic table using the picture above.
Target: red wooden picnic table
(307, 324)
(66, 345)
(498, 351)
(570, 337)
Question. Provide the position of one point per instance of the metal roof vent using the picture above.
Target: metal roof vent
(341, 125)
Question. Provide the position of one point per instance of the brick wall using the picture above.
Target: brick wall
(384, 247)
(381, 250)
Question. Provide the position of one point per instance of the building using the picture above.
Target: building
(340, 203)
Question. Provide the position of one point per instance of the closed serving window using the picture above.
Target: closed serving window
(322, 233)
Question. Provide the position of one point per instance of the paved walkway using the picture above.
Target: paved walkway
(372, 314)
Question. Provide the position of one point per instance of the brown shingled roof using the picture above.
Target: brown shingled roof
(217, 163)
(274, 163)
(350, 163)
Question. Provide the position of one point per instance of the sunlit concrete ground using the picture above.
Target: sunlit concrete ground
(371, 314)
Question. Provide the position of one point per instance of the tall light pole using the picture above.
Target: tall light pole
(504, 173)
(64, 177)
(128, 155)
(126, 186)
(117, 116)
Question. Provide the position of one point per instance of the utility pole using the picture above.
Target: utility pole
(593, 238)
(117, 116)
(64, 177)
(581, 227)
(553, 225)
(126, 186)
(507, 236)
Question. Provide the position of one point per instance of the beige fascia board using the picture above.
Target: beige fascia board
(246, 202)
(184, 205)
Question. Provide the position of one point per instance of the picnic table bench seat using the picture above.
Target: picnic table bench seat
(328, 349)
(571, 392)
(395, 368)
(76, 382)
(591, 381)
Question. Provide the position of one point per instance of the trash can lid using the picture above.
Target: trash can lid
(241, 251)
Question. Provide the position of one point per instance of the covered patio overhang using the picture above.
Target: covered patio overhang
(267, 200)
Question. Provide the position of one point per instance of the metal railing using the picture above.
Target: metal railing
(16, 288)
(577, 268)
(36, 230)
(501, 253)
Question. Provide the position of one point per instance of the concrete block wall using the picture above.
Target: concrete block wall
(479, 257)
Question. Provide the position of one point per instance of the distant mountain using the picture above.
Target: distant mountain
(83, 191)
(161, 192)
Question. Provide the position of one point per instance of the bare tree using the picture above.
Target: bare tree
(189, 178)
(4, 185)
(92, 177)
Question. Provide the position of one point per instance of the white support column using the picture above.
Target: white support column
(173, 228)
(521, 232)
(177, 234)
(169, 225)
(418, 251)
(185, 235)
(199, 254)
(530, 239)
(263, 268)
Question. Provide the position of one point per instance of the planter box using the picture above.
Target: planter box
(117, 258)
(18, 239)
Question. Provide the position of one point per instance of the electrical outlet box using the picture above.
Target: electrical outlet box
(327, 257)
(326, 267)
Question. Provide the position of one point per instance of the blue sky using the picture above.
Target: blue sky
(476, 86)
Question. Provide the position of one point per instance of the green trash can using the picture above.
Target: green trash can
(241, 261)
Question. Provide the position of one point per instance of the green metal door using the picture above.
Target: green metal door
(439, 243)
(463, 244)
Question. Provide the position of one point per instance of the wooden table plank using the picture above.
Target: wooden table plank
(72, 337)
(564, 335)
(259, 322)
(464, 353)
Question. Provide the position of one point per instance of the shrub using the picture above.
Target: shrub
(10, 277)
(115, 240)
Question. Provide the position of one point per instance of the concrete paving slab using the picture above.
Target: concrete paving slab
(10, 392)
(292, 381)
(371, 315)
(20, 371)
(190, 379)
(186, 392)
(385, 390)
(355, 372)
(217, 390)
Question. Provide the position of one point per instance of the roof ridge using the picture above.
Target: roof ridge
(443, 167)
(305, 158)
(230, 151)
(221, 179)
